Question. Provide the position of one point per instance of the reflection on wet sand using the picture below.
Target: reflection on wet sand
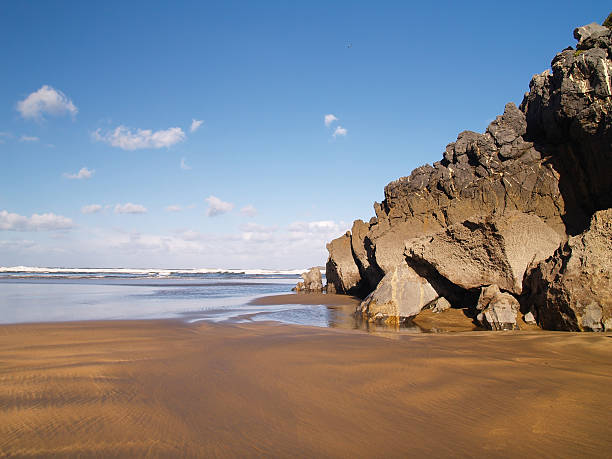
(339, 312)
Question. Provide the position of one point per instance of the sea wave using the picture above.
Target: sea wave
(141, 272)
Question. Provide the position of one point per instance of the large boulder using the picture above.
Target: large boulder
(498, 309)
(402, 293)
(485, 251)
(341, 270)
(572, 290)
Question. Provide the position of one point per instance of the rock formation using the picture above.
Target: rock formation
(545, 164)
(572, 290)
(483, 251)
(313, 282)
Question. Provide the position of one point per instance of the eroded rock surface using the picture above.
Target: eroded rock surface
(572, 290)
(550, 158)
(484, 251)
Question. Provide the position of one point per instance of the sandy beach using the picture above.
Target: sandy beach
(166, 388)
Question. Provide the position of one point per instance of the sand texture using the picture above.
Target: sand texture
(164, 388)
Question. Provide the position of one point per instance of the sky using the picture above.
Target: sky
(240, 134)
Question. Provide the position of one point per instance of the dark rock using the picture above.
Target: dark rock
(341, 270)
(590, 32)
(572, 290)
(550, 158)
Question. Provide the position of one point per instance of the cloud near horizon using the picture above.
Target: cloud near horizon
(129, 208)
(83, 173)
(217, 207)
(46, 101)
(37, 222)
(174, 208)
(329, 119)
(127, 139)
(195, 125)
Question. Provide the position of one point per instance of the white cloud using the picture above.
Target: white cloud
(195, 125)
(173, 208)
(129, 208)
(329, 119)
(184, 165)
(46, 100)
(28, 138)
(16, 244)
(127, 139)
(249, 211)
(296, 246)
(83, 173)
(316, 226)
(217, 207)
(37, 222)
(256, 228)
(91, 209)
(340, 131)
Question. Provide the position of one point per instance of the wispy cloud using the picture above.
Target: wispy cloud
(128, 139)
(17, 244)
(249, 211)
(28, 138)
(256, 228)
(184, 165)
(46, 101)
(340, 131)
(174, 208)
(195, 125)
(329, 119)
(129, 208)
(91, 209)
(315, 226)
(83, 173)
(217, 207)
(37, 222)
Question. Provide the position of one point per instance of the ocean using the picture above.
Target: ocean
(34, 294)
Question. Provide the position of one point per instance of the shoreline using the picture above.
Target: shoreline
(165, 387)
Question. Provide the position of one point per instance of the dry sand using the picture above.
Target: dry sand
(165, 388)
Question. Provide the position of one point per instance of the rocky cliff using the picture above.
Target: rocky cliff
(499, 201)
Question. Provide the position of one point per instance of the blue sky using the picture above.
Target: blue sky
(101, 166)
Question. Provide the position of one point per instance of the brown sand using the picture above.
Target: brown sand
(164, 388)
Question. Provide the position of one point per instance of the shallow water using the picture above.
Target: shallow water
(213, 297)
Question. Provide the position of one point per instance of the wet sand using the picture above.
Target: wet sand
(166, 388)
(308, 299)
